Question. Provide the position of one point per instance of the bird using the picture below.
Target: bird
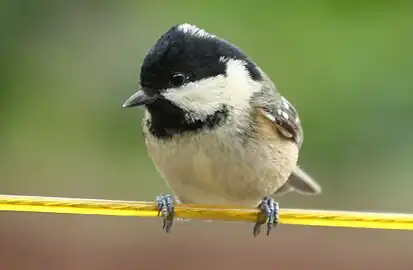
(216, 127)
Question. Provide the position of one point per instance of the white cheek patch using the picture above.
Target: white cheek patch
(207, 96)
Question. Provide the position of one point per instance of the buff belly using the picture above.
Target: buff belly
(208, 169)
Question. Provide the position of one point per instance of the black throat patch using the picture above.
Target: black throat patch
(168, 120)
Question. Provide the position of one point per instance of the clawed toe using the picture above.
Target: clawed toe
(165, 206)
(269, 214)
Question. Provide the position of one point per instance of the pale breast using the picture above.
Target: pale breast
(217, 168)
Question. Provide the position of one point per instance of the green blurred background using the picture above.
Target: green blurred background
(66, 67)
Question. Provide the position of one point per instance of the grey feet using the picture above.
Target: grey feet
(165, 206)
(269, 214)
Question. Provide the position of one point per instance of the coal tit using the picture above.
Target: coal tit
(216, 127)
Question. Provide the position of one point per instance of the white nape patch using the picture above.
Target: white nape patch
(207, 96)
(194, 30)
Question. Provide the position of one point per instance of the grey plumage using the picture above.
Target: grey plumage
(271, 101)
(215, 125)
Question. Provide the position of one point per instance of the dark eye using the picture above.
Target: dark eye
(178, 79)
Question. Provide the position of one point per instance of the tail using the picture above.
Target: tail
(299, 181)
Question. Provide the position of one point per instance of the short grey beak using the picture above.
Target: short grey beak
(138, 99)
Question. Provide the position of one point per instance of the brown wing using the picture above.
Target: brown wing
(287, 122)
(286, 119)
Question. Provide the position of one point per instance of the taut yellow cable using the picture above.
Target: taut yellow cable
(207, 212)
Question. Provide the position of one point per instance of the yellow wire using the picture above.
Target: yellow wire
(207, 212)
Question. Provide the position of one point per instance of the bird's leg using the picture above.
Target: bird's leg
(165, 206)
(269, 214)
